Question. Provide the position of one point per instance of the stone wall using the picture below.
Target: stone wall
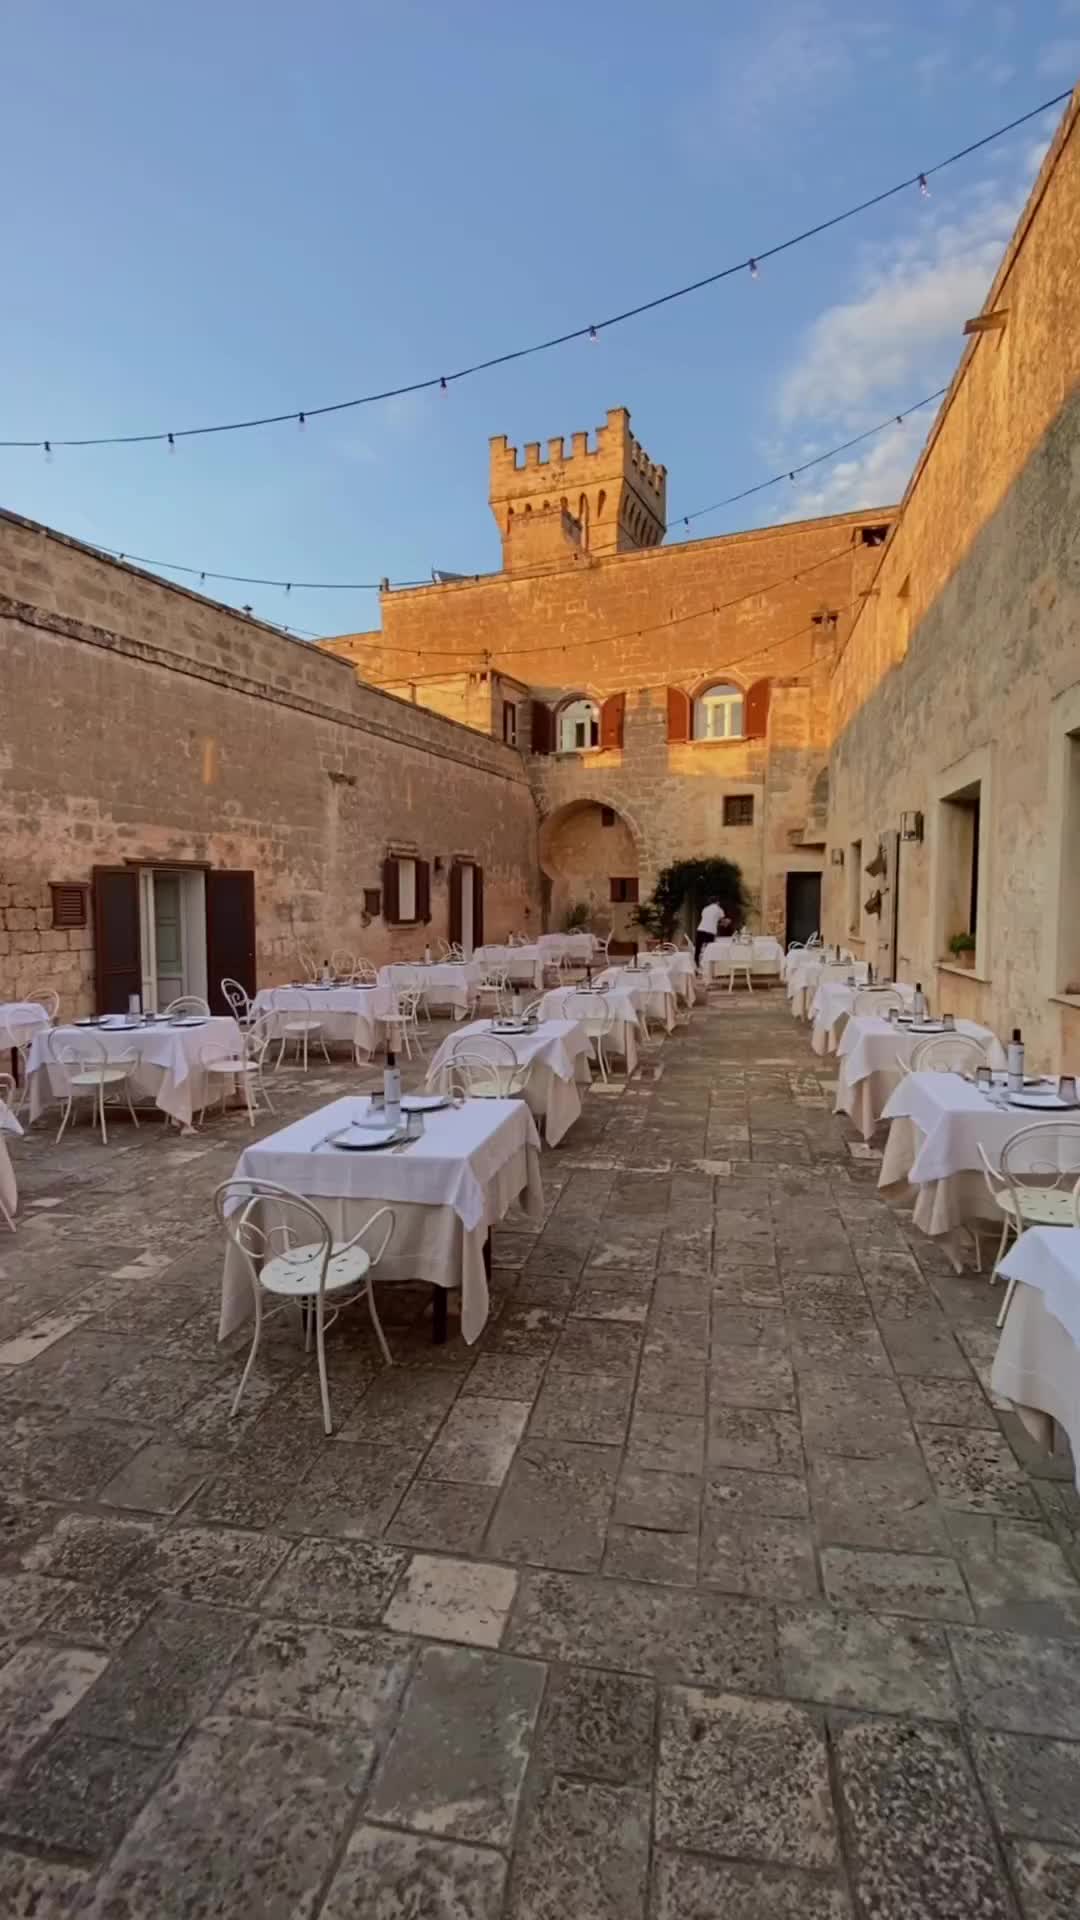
(144, 723)
(581, 856)
(963, 672)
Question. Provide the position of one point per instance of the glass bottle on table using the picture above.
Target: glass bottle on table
(1015, 1059)
(392, 1090)
(919, 1007)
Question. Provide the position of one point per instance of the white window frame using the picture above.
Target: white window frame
(584, 713)
(951, 783)
(719, 702)
(406, 870)
(1063, 857)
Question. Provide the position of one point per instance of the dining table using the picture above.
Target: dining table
(10, 1126)
(352, 1015)
(19, 1021)
(680, 966)
(869, 1054)
(833, 1004)
(169, 1058)
(441, 983)
(1037, 1363)
(562, 1003)
(555, 1054)
(567, 946)
(651, 988)
(762, 953)
(802, 980)
(470, 1163)
(523, 966)
(938, 1122)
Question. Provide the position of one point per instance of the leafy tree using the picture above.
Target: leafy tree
(689, 884)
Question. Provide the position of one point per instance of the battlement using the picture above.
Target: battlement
(616, 492)
(615, 452)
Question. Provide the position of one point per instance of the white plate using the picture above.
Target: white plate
(190, 1020)
(511, 1026)
(929, 1026)
(1053, 1101)
(362, 1139)
(423, 1102)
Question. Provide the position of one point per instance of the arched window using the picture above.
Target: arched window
(718, 713)
(579, 726)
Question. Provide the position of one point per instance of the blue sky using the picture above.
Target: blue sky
(248, 206)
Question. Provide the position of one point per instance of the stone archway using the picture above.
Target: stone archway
(589, 854)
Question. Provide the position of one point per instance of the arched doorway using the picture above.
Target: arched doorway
(588, 850)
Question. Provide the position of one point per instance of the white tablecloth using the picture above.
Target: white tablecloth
(556, 1053)
(521, 965)
(649, 987)
(9, 1192)
(868, 1053)
(802, 979)
(568, 946)
(762, 954)
(345, 1013)
(682, 971)
(19, 1021)
(169, 1070)
(1037, 1364)
(621, 1039)
(446, 1190)
(445, 984)
(939, 1121)
(832, 1005)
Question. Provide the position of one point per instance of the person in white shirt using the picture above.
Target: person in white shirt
(707, 926)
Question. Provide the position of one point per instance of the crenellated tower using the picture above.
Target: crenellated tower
(609, 498)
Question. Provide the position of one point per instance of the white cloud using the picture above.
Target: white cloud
(1060, 60)
(797, 57)
(874, 476)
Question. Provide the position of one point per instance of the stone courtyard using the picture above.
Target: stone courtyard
(710, 1582)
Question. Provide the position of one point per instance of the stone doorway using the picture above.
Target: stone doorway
(588, 851)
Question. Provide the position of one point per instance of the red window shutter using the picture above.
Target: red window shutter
(756, 710)
(390, 892)
(478, 906)
(678, 716)
(423, 891)
(611, 720)
(542, 727)
(117, 955)
(454, 930)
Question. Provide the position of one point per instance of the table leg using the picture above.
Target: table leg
(438, 1316)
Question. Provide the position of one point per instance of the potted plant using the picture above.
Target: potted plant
(962, 948)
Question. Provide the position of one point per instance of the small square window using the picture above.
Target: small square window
(68, 904)
(607, 816)
(738, 809)
(372, 902)
(624, 891)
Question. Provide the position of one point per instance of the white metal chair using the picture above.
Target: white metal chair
(89, 1069)
(814, 940)
(7, 1099)
(46, 997)
(342, 963)
(446, 951)
(238, 1001)
(291, 1254)
(406, 1022)
(740, 960)
(597, 1015)
(949, 1053)
(1034, 1184)
(494, 986)
(298, 1021)
(244, 1069)
(187, 1003)
(877, 1000)
(483, 1067)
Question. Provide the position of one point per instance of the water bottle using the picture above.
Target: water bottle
(869, 973)
(427, 956)
(515, 1006)
(392, 1090)
(325, 973)
(1015, 1058)
(919, 1008)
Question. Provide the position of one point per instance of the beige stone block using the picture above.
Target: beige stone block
(26, 942)
(19, 919)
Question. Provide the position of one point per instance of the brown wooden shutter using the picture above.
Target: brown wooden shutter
(756, 710)
(678, 716)
(423, 891)
(542, 726)
(390, 891)
(611, 720)
(455, 928)
(230, 934)
(478, 906)
(117, 958)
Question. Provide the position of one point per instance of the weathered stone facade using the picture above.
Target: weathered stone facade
(146, 724)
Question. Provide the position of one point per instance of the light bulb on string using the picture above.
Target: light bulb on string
(172, 443)
(755, 271)
(593, 335)
(47, 446)
(301, 422)
(923, 187)
(442, 382)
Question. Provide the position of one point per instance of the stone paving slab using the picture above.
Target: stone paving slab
(709, 1581)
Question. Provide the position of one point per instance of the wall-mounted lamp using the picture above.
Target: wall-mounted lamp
(837, 856)
(911, 826)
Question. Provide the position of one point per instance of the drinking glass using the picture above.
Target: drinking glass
(984, 1078)
(1067, 1087)
(948, 1021)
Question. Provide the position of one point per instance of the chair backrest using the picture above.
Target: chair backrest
(364, 974)
(46, 997)
(533, 1009)
(949, 1053)
(7, 1089)
(342, 962)
(309, 966)
(592, 1010)
(482, 1059)
(236, 997)
(408, 1002)
(445, 950)
(85, 1052)
(1045, 1155)
(493, 978)
(797, 946)
(878, 1000)
(187, 1003)
(814, 940)
(264, 1220)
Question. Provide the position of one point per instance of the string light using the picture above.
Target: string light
(301, 421)
(172, 444)
(48, 450)
(593, 335)
(923, 187)
(574, 333)
(754, 270)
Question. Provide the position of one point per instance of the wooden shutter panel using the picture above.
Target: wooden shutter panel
(678, 716)
(756, 710)
(390, 891)
(230, 934)
(423, 891)
(611, 720)
(542, 726)
(478, 906)
(455, 928)
(117, 959)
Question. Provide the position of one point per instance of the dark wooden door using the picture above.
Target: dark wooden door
(230, 934)
(117, 957)
(478, 906)
(803, 906)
